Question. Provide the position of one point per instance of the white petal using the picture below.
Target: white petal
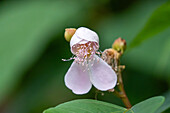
(102, 75)
(87, 34)
(83, 34)
(76, 40)
(77, 80)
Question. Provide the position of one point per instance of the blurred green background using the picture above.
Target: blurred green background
(32, 45)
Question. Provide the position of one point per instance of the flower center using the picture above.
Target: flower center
(85, 52)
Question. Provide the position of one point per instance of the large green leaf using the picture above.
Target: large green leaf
(147, 106)
(25, 30)
(93, 106)
(158, 22)
(86, 106)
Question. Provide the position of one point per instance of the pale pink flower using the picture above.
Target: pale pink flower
(88, 68)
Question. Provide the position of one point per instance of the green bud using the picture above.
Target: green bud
(119, 45)
(69, 32)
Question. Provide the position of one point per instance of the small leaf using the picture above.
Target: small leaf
(166, 104)
(147, 106)
(158, 22)
(86, 106)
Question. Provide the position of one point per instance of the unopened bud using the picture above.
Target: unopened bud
(119, 45)
(69, 32)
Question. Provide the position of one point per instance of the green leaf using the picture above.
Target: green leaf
(158, 22)
(86, 106)
(166, 104)
(147, 106)
(25, 30)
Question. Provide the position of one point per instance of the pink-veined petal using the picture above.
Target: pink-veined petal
(77, 80)
(102, 75)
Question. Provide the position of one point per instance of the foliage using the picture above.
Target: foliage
(94, 106)
(32, 46)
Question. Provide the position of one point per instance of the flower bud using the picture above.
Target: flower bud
(69, 32)
(119, 45)
(108, 55)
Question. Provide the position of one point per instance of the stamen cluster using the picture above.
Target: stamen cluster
(85, 52)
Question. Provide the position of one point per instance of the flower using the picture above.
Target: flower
(88, 68)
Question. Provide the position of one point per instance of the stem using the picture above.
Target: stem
(121, 94)
(112, 57)
(96, 94)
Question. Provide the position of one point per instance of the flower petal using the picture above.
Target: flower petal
(82, 36)
(102, 75)
(87, 34)
(77, 80)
